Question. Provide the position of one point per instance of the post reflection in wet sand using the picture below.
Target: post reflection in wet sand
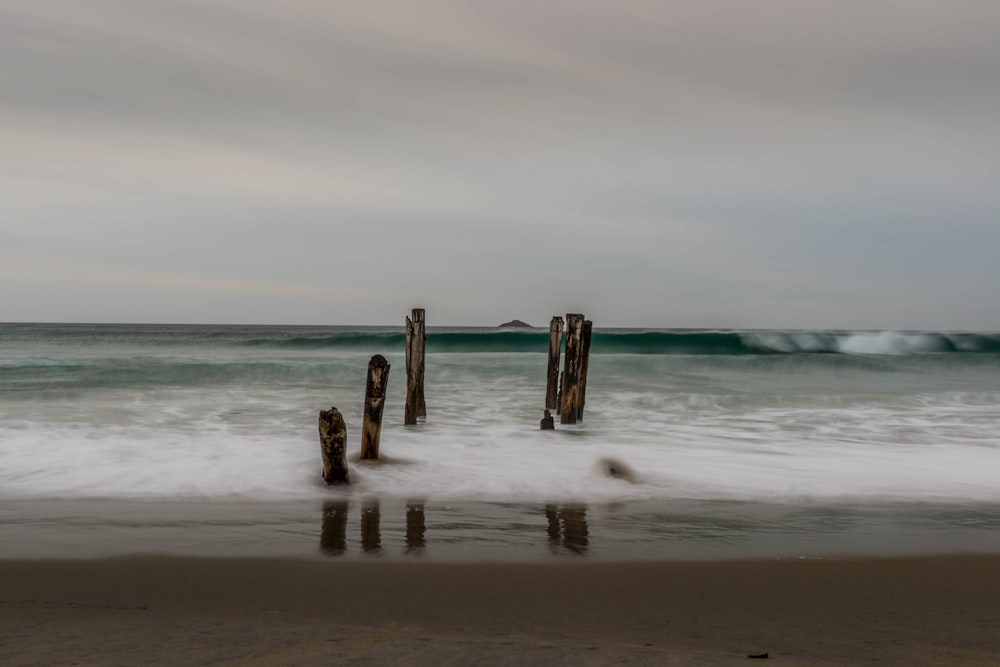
(333, 535)
(416, 527)
(567, 528)
(371, 535)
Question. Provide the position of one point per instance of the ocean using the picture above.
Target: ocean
(195, 439)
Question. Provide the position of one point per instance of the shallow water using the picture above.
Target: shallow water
(196, 439)
(365, 527)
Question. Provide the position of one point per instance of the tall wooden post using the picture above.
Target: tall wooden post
(333, 446)
(562, 383)
(371, 428)
(555, 345)
(588, 328)
(416, 339)
(569, 413)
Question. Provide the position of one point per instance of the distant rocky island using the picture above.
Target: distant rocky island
(515, 323)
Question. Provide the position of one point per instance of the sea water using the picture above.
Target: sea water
(203, 439)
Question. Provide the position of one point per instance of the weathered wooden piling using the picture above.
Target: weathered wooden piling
(333, 446)
(416, 339)
(548, 423)
(371, 428)
(555, 346)
(569, 412)
(588, 328)
(562, 382)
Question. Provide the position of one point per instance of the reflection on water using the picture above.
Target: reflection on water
(333, 536)
(567, 528)
(416, 527)
(686, 529)
(371, 537)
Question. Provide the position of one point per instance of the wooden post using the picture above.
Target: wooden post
(555, 345)
(588, 327)
(371, 429)
(562, 382)
(548, 423)
(569, 411)
(416, 338)
(333, 446)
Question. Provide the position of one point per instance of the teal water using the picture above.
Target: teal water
(176, 438)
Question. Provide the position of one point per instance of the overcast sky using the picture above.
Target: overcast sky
(691, 163)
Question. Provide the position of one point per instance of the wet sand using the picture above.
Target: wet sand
(168, 610)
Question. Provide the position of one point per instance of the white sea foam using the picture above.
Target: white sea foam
(864, 342)
(227, 423)
(889, 342)
(706, 451)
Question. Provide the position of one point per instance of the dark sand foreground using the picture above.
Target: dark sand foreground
(159, 610)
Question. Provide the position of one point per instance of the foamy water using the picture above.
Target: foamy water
(203, 440)
(148, 418)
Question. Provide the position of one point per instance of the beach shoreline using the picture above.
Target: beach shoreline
(935, 610)
(355, 526)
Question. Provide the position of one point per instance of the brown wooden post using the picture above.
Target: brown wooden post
(333, 446)
(562, 383)
(569, 412)
(416, 338)
(588, 327)
(555, 345)
(371, 428)
(547, 423)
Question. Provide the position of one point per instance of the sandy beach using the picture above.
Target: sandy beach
(168, 610)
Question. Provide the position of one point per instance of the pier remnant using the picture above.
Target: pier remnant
(555, 345)
(569, 412)
(371, 428)
(333, 446)
(416, 339)
(588, 328)
(548, 423)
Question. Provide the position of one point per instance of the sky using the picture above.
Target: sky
(692, 163)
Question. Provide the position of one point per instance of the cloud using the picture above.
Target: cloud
(773, 163)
